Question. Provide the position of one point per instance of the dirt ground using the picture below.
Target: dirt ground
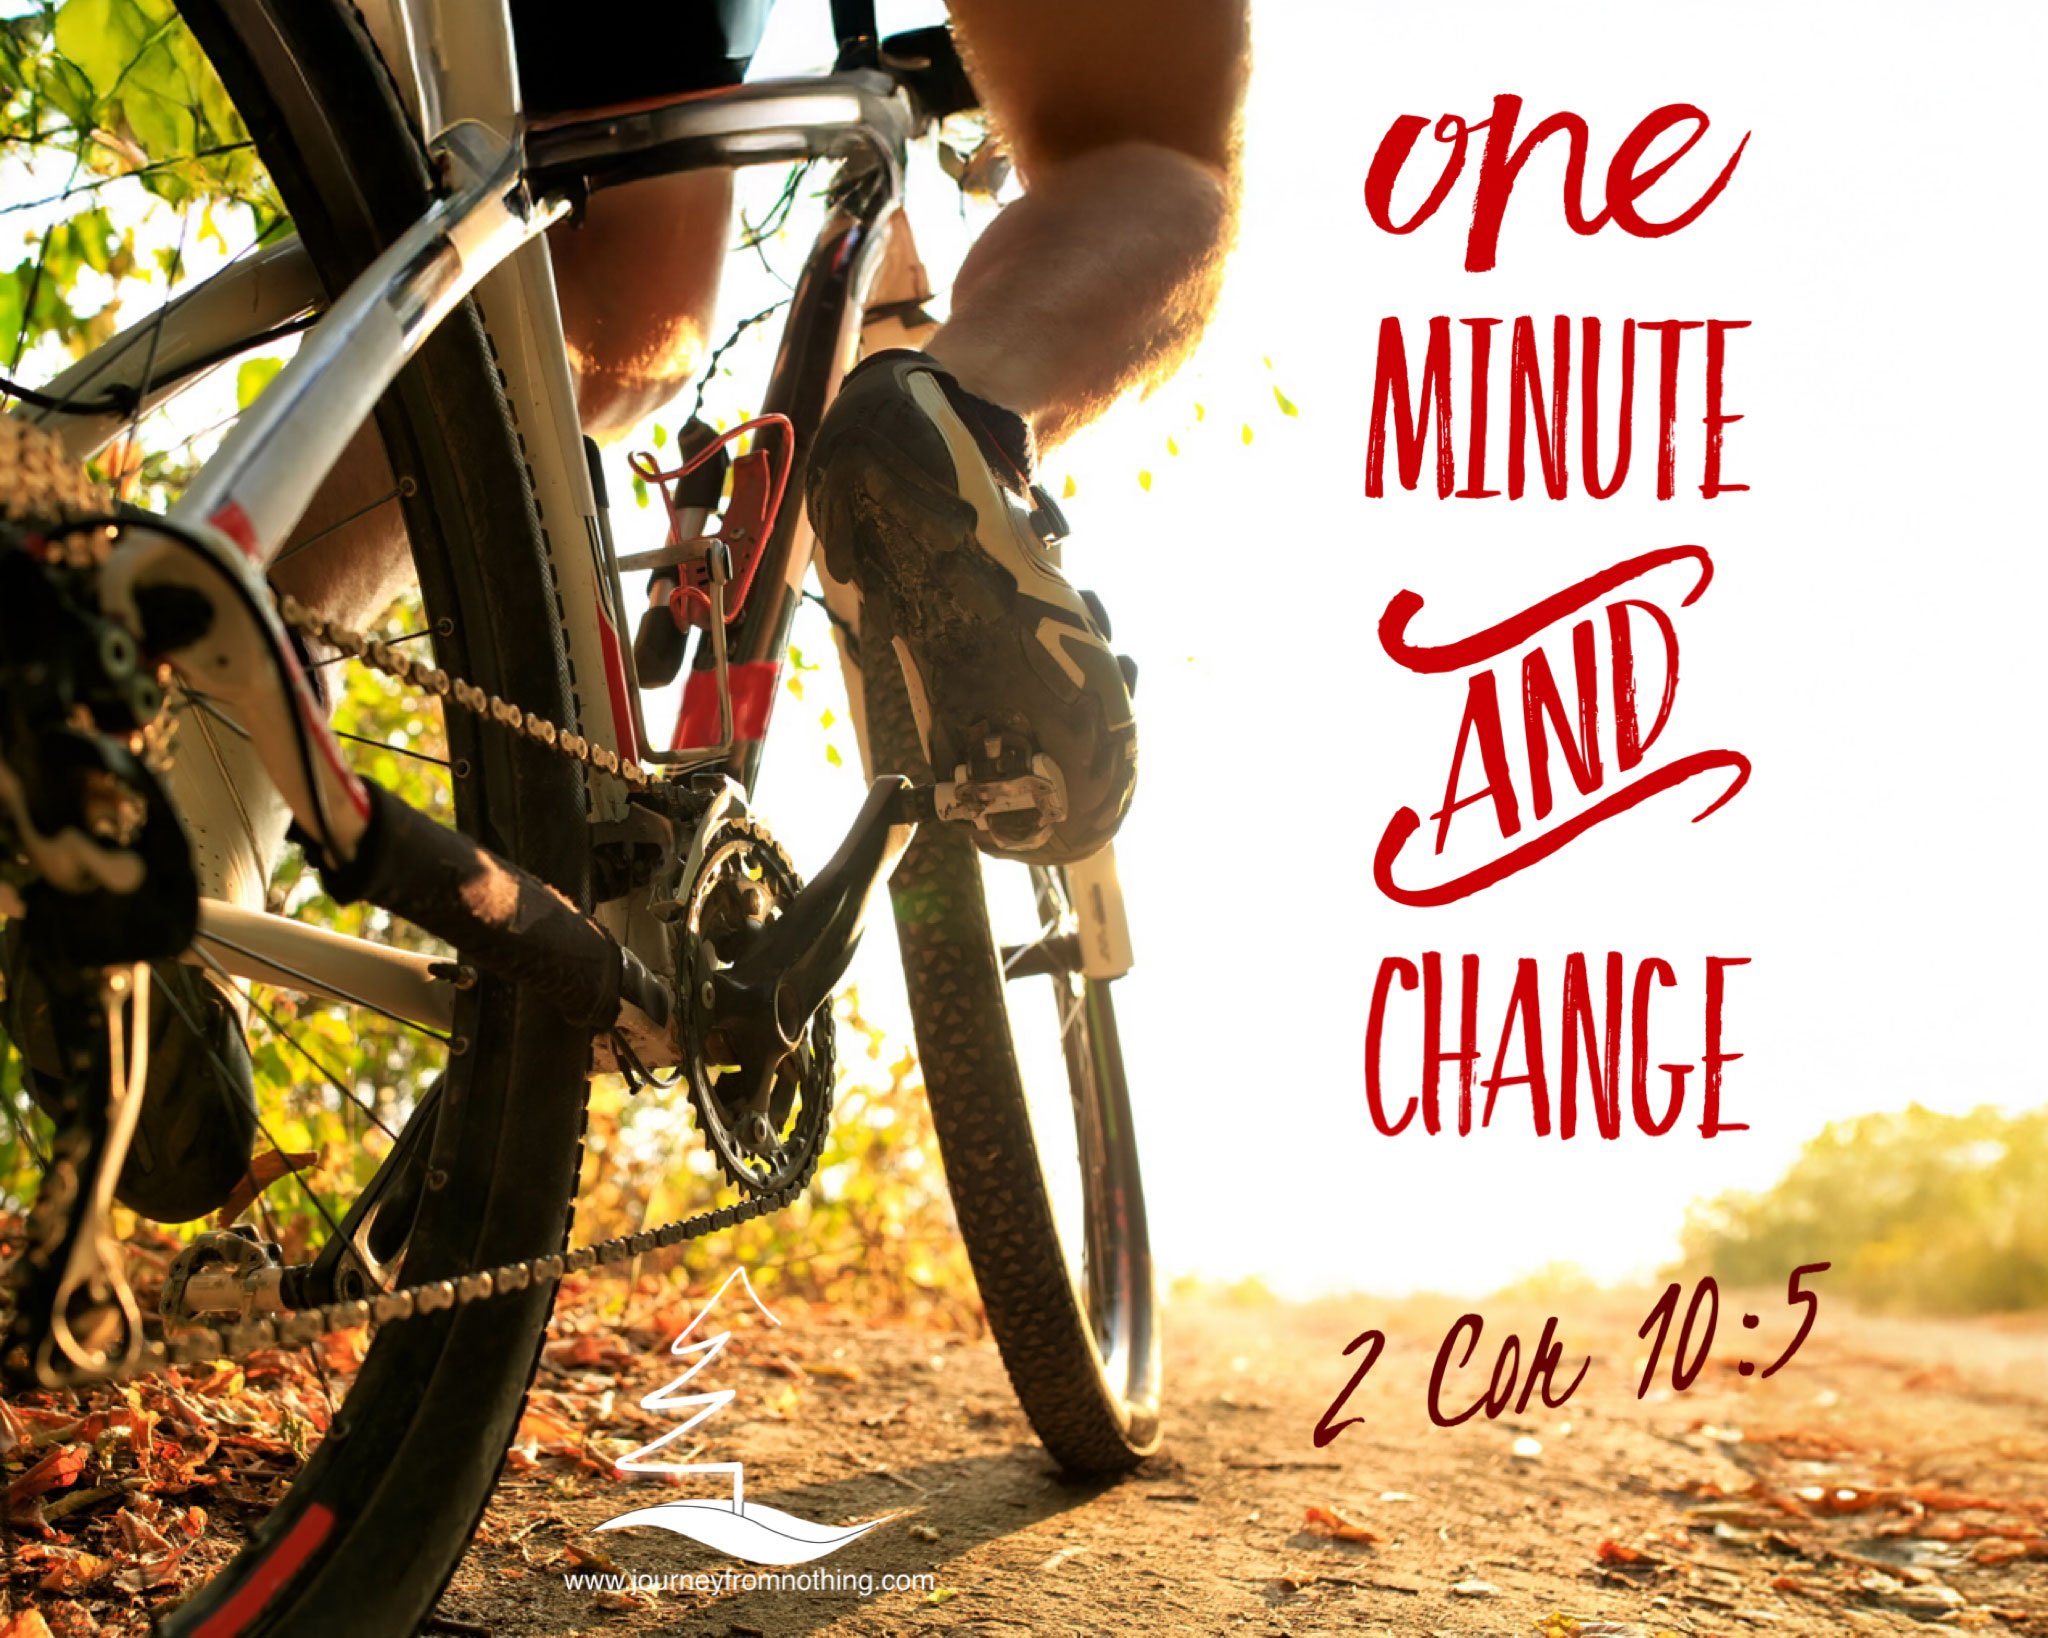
(1892, 1476)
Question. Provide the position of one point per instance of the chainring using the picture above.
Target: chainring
(765, 1123)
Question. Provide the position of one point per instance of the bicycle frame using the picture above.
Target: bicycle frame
(454, 59)
(509, 181)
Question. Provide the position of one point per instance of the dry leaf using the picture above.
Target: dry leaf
(1328, 1521)
(264, 1170)
(56, 1470)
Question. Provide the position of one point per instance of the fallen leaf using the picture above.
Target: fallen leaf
(56, 1470)
(264, 1170)
(344, 1350)
(1328, 1521)
(72, 1572)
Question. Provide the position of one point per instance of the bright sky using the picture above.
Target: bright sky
(1866, 641)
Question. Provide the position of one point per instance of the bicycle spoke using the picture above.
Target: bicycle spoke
(317, 986)
(1070, 1010)
(110, 356)
(122, 176)
(204, 703)
(22, 1127)
(299, 546)
(386, 745)
(156, 336)
(286, 1038)
(262, 1125)
(336, 659)
(71, 188)
(1014, 953)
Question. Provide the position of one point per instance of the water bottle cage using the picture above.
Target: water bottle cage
(743, 530)
(759, 479)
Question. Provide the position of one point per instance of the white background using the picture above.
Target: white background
(1868, 642)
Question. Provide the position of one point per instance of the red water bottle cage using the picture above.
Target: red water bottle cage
(759, 479)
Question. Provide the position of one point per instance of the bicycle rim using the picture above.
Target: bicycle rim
(1024, 1071)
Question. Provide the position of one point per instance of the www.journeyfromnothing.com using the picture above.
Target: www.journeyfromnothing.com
(862, 1584)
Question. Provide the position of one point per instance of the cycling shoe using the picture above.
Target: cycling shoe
(922, 497)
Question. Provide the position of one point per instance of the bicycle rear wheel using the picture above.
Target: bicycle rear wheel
(368, 1534)
(1033, 1117)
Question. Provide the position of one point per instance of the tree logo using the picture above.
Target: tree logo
(744, 1529)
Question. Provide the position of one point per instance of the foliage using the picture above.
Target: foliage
(110, 103)
(874, 1233)
(1916, 1210)
(122, 158)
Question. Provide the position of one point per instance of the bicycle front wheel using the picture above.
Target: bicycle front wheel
(1024, 1071)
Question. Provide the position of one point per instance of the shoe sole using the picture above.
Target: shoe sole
(955, 609)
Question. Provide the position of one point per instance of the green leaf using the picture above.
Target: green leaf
(660, 436)
(1145, 480)
(1246, 435)
(1286, 404)
(639, 490)
(102, 37)
(254, 375)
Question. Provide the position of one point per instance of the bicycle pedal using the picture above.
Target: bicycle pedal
(224, 1272)
(1007, 781)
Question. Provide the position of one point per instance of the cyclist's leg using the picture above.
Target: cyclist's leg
(1098, 279)
(1123, 122)
(637, 272)
(638, 283)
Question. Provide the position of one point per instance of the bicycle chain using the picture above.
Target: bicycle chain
(395, 662)
(203, 1344)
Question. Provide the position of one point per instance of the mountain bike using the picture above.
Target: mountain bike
(600, 901)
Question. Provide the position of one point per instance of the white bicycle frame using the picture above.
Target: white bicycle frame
(453, 61)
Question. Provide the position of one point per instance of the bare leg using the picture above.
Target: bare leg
(1123, 122)
(638, 280)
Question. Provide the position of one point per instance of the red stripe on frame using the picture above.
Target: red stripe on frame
(233, 522)
(615, 685)
(753, 697)
(284, 1562)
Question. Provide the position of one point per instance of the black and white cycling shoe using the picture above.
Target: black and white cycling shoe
(922, 496)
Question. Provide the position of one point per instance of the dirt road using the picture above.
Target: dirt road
(1892, 1476)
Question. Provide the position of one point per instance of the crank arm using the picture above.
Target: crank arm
(356, 1263)
(498, 916)
(793, 968)
(233, 649)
